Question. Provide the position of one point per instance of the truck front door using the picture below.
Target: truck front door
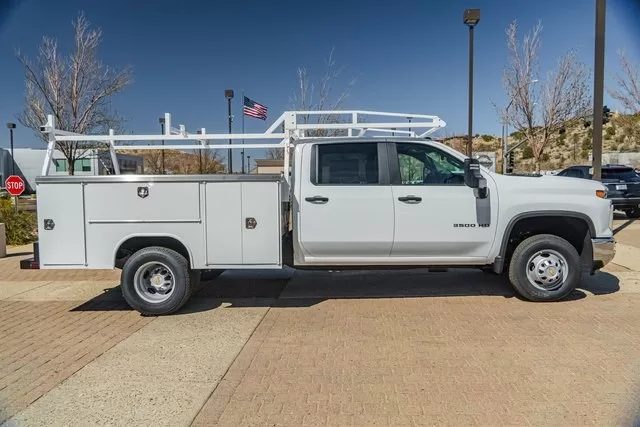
(437, 217)
(345, 203)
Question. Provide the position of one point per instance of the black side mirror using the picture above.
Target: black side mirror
(473, 178)
(472, 173)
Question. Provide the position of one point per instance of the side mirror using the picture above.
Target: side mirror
(473, 178)
(472, 173)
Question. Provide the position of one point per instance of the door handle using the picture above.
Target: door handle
(410, 199)
(317, 199)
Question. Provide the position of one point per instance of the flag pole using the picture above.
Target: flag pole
(243, 130)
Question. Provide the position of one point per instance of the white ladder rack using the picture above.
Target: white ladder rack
(294, 130)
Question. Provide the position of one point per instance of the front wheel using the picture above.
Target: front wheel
(544, 268)
(157, 281)
(633, 213)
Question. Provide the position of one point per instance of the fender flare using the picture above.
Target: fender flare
(498, 264)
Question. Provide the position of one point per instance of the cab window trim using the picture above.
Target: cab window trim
(383, 165)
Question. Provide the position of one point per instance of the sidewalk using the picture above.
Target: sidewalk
(333, 348)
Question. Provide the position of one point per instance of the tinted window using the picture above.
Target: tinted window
(423, 165)
(620, 174)
(348, 164)
(575, 173)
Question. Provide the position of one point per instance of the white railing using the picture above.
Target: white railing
(292, 126)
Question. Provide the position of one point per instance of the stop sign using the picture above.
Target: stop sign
(15, 185)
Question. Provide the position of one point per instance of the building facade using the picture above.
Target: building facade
(27, 163)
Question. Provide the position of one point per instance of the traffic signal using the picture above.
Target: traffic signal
(606, 115)
(510, 162)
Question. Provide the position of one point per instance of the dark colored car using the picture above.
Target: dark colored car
(623, 183)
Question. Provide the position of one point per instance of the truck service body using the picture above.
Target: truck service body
(353, 201)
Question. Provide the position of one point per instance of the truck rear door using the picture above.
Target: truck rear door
(345, 206)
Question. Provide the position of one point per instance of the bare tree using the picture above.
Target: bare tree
(318, 97)
(76, 90)
(540, 111)
(628, 91)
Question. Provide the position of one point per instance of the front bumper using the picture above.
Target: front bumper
(604, 249)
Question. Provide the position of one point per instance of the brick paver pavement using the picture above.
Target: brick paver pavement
(42, 343)
(473, 360)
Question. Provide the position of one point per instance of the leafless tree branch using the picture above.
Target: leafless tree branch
(541, 110)
(628, 91)
(76, 89)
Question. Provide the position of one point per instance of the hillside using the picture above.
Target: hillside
(621, 134)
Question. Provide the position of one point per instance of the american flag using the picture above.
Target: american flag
(253, 109)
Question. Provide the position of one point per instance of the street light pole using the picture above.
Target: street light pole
(598, 89)
(161, 120)
(11, 127)
(228, 93)
(471, 19)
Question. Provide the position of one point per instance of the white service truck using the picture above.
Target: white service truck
(353, 201)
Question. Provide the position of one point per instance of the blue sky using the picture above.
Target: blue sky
(409, 56)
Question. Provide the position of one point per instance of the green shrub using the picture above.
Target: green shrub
(20, 227)
(611, 131)
(527, 153)
(587, 143)
(517, 134)
(590, 133)
(487, 138)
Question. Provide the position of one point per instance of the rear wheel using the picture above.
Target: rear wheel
(157, 281)
(544, 268)
(633, 213)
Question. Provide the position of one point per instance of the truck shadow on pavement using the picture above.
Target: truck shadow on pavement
(305, 289)
(288, 288)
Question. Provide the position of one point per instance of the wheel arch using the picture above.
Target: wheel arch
(547, 222)
(134, 242)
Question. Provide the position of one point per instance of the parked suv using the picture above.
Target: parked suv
(623, 184)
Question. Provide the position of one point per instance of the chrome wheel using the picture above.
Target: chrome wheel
(547, 270)
(154, 282)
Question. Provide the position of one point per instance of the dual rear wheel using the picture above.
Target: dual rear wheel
(158, 280)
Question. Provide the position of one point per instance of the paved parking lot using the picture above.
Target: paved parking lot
(340, 348)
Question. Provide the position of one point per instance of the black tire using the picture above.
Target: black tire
(633, 213)
(184, 280)
(208, 275)
(529, 247)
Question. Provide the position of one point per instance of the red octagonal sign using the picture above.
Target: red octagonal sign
(15, 185)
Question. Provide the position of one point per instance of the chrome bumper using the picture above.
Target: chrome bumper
(604, 249)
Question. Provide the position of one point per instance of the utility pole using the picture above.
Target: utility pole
(598, 89)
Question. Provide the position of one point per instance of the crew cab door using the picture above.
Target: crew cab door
(345, 204)
(437, 217)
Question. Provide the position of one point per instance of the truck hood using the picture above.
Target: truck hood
(556, 184)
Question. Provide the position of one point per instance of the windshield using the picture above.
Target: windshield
(620, 174)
